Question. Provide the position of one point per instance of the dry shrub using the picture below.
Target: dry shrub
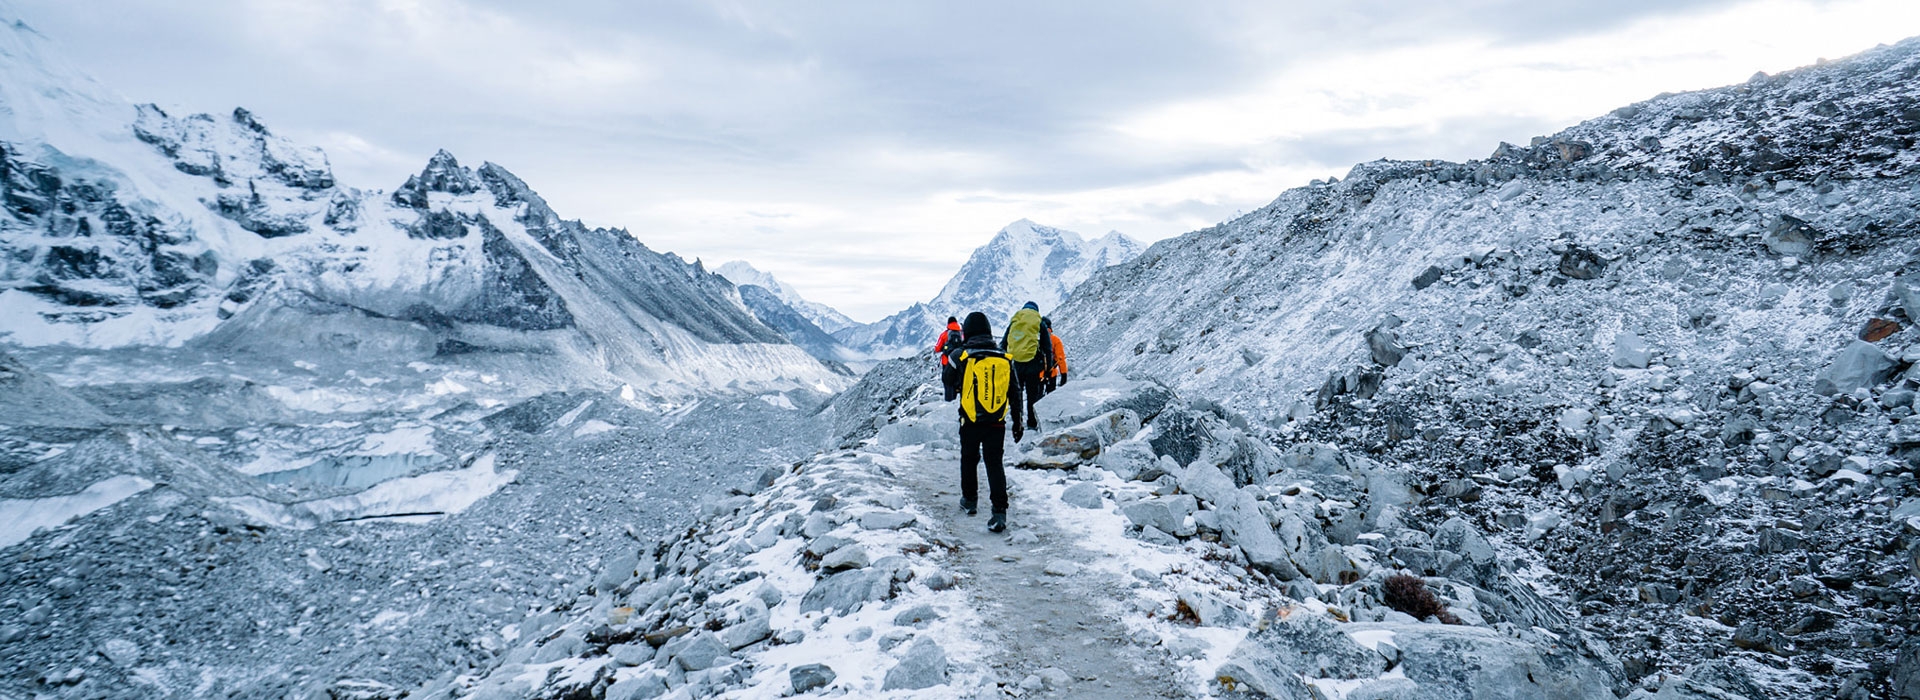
(1409, 594)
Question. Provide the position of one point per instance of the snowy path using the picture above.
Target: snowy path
(1033, 620)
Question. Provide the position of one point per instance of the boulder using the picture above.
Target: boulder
(810, 677)
(1153, 513)
(1478, 561)
(1180, 433)
(1085, 439)
(1384, 346)
(1452, 662)
(1243, 525)
(700, 651)
(1860, 365)
(755, 624)
(645, 687)
(1083, 495)
(1427, 277)
(1211, 610)
(1207, 483)
(1582, 264)
(1085, 399)
(1712, 680)
(885, 520)
(915, 614)
(1905, 676)
(1314, 458)
(923, 666)
(1790, 236)
(1290, 644)
(1128, 459)
(1630, 352)
(844, 592)
(630, 654)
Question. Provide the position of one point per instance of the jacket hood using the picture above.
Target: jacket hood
(977, 326)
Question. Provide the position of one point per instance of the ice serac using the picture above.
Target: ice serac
(1023, 262)
(127, 226)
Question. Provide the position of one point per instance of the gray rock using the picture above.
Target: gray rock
(1862, 364)
(1127, 459)
(754, 625)
(1463, 539)
(1581, 264)
(1243, 525)
(1711, 680)
(1427, 277)
(564, 646)
(1086, 438)
(630, 654)
(885, 520)
(1296, 642)
(939, 581)
(1207, 483)
(1084, 399)
(1154, 535)
(1055, 679)
(1630, 352)
(844, 592)
(1152, 513)
(1083, 495)
(618, 571)
(702, 650)
(817, 524)
(121, 652)
(822, 546)
(810, 677)
(915, 614)
(1905, 677)
(1790, 236)
(923, 666)
(1384, 346)
(1211, 610)
(852, 556)
(645, 687)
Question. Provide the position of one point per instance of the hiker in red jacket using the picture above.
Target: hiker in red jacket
(949, 374)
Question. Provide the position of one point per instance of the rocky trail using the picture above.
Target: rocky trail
(1042, 607)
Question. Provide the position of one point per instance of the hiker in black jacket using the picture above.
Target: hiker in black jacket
(988, 393)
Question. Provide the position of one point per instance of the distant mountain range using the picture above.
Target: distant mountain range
(1024, 262)
(125, 225)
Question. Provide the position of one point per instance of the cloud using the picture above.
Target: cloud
(861, 149)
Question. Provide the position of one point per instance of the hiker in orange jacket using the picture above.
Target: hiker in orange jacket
(949, 374)
(1056, 374)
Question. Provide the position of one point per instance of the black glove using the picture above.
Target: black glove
(1018, 432)
(1063, 379)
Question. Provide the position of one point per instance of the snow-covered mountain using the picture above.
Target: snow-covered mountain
(824, 317)
(1024, 262)
(127, 225)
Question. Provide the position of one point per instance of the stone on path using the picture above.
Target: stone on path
(923, 666)
(851, 556)
(1082, 495)
(885, 520)
(1061, 567)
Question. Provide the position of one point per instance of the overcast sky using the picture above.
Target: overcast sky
(860, 150)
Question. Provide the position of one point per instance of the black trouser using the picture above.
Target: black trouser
(1031, 385)
(950, 381)
(990, 439)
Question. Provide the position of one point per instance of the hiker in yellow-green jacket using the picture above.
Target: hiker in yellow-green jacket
(988, 393)
(1027, 345)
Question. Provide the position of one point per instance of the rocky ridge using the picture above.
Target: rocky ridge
(1658, 359)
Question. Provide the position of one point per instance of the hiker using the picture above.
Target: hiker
(988, 393)
(1027, 345)
(949, 374)
(1056, 373)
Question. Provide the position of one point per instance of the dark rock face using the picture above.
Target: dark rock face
(438, 225)
(125, 259)
(514, 295)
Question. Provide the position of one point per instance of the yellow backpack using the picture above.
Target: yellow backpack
(1023, 335)
(983, 385)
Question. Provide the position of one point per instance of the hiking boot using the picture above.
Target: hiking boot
(970, 507)
(998, 522)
